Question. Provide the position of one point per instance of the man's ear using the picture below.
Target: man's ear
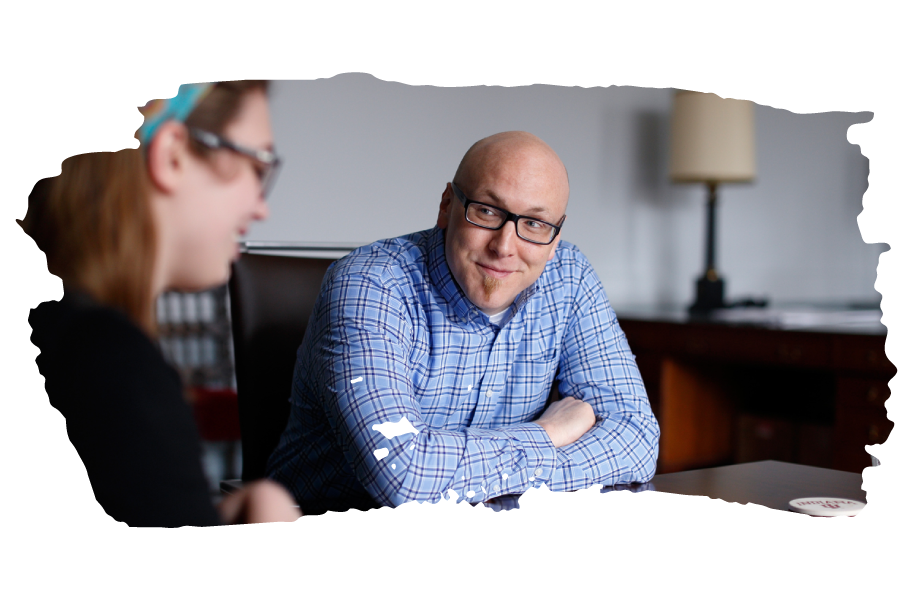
(443, 215)
(167, 156)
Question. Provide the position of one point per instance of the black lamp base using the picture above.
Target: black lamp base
(710, 296)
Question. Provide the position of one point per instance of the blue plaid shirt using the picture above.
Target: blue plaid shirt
(393, 336)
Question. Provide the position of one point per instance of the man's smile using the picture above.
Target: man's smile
(497, 273)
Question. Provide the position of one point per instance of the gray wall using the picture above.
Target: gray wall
(367, 159)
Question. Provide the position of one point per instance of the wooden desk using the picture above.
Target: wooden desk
(730, 392)
(768, 483)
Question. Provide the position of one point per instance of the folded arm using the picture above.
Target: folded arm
(365, 373)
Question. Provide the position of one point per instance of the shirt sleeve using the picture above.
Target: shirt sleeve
(597, 366)
(364, 372)
(128, 421)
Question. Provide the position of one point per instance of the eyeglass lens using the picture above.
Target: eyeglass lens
(267, 175)
(492, 218)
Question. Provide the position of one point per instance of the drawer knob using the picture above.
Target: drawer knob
(873, 394)
(787, 353)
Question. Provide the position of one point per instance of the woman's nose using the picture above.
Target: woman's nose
(261, 211)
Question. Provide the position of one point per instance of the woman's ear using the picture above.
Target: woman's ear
(167, 156)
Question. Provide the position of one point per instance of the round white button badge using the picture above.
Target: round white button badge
(827, 507)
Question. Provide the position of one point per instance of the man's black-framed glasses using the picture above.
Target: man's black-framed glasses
(265, 163)
(490, 217)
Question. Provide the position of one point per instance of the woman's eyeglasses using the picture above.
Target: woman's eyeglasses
(265, 163)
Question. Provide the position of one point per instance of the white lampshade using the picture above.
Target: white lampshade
(712, 139)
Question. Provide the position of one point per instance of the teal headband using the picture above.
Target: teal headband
(177, 108)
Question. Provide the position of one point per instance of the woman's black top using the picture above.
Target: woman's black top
(125, 413)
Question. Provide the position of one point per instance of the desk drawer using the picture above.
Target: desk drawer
(862, 393)
(862, 353)
(764, 438)
(757, 346)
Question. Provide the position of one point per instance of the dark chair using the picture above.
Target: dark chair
(272, 298)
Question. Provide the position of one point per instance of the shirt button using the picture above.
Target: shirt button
(489, 394)
(538, 472)
(496, 487)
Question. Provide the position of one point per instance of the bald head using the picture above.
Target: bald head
(515, 155)
(514, 172)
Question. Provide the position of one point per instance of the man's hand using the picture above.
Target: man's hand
(567, 420)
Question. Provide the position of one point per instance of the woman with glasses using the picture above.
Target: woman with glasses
(119, 229)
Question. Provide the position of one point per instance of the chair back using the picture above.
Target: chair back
(272, 298)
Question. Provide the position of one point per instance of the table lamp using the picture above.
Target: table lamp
(712, 142)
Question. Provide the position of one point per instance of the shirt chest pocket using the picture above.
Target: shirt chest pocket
(536, 362)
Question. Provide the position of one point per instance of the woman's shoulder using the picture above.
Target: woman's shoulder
(88, 348)
(78, 320)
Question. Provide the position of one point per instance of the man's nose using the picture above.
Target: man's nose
(505, 239)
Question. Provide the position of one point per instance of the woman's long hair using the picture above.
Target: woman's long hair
(94, 220)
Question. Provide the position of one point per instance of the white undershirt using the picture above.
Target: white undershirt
(500, 317)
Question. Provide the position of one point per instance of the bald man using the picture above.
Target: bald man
(428, 362)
